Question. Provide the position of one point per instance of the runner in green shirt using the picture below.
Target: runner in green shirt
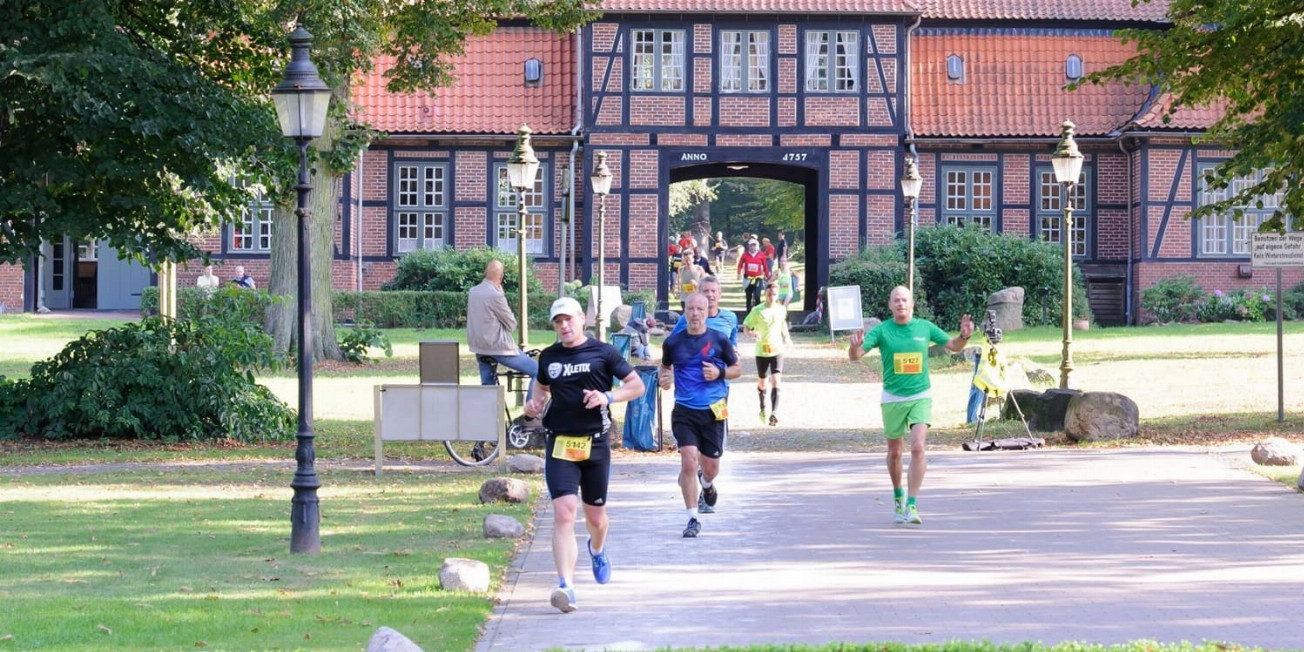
(769, 321)
(907, 400)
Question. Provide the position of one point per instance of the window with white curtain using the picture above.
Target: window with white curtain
(420, 207)
(744, 61)
(658, 60)
(1220, 235)
(832, 61)
(1050, 209)
(506, 212)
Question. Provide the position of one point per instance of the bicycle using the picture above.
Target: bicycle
(481, 453)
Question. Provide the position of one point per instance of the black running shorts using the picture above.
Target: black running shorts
(766, 365)
(588, 479)
(698, 428)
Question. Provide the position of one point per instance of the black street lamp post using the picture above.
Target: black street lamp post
(1068, 168)
(522, 170)
(601, 181)
(910, 185)
(301, 101)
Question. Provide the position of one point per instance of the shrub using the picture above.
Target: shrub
(1236, 305)
(1174, 299)
(877, 270)
(356, 342)
(962, 266)
(449, 270)
(250, 305)
(156, 379)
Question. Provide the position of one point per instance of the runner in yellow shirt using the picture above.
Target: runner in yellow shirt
(769, 321)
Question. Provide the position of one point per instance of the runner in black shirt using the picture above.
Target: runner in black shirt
(577, 374)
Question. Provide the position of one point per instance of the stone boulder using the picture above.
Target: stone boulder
(1044, 410)
(1008, 306)
(511, 490)
(1096, 416)
(389, 640)
(461, 574)
(525, 463)
(501, 526)
(869, 323)
(1275, 451)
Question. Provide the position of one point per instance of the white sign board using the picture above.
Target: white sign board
(844, 308)
(1277, 250)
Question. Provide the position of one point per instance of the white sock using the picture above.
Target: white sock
(706, 484)
(692, 513)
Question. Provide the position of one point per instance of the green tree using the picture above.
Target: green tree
(127, 121)
(1246, 59)
(690, 207)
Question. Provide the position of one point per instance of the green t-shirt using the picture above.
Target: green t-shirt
(905, 354)
(771, 326)
(785, 284)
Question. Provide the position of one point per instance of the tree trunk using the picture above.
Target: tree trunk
(282, 320)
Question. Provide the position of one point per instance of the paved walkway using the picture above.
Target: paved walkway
(1095, 546)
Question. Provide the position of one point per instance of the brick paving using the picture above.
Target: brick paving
(1100, 546)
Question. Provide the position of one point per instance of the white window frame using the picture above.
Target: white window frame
(1220, 235)
(253, 233)
(537, 208)
(658, 60)
(968, 196)
(1050, 209)
(744, 61)
(420, 206)
(832, 61)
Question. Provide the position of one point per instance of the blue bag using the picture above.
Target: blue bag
(641, 413)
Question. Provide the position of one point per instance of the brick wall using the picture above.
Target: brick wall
(11, 288)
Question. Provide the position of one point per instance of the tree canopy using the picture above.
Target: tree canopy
(128, 121)
(1246, 58)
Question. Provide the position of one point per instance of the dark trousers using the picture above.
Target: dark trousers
(755, 285)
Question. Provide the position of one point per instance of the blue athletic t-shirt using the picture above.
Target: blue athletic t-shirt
(686, 352)
(724, 321)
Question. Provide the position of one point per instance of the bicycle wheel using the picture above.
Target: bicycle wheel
(472, 453)
(517, 435)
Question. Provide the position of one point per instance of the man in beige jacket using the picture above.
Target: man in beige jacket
(489, 327)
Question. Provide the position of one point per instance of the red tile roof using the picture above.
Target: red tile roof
(1183, 119)
(1013, 83)
(764, 6)
(489, 95)
(1152, 11)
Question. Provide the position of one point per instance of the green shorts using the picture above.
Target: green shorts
(898, 417)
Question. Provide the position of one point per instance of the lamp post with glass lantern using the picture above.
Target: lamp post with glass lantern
(601, 180)
(301, 101)
(522, 169)
(1068, 167)
(910, 185)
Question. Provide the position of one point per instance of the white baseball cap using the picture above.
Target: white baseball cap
(565, 306)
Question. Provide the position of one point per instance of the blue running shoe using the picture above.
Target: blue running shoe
(601, 565)
(694, 526)
(563, 599)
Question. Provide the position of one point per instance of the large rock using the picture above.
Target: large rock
(525, 463)
(461, 574)
(1044, 410)
(509, 490)
(1096, 416)
(1275, 451)
(868, 323)
(1008, 306)
(501, 526)
(389, 640)
(1300, 482)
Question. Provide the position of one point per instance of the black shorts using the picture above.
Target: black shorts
(765, 365)
(698, 428)
(588, 479)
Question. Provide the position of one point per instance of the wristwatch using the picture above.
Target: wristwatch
(611, 398)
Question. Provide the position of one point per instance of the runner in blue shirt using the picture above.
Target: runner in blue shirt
(702, 360)
(717, 319)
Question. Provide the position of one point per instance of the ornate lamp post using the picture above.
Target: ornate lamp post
(910, 185)
(1068, 168)
(301, 100)
(601, 180)
(522, 169)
